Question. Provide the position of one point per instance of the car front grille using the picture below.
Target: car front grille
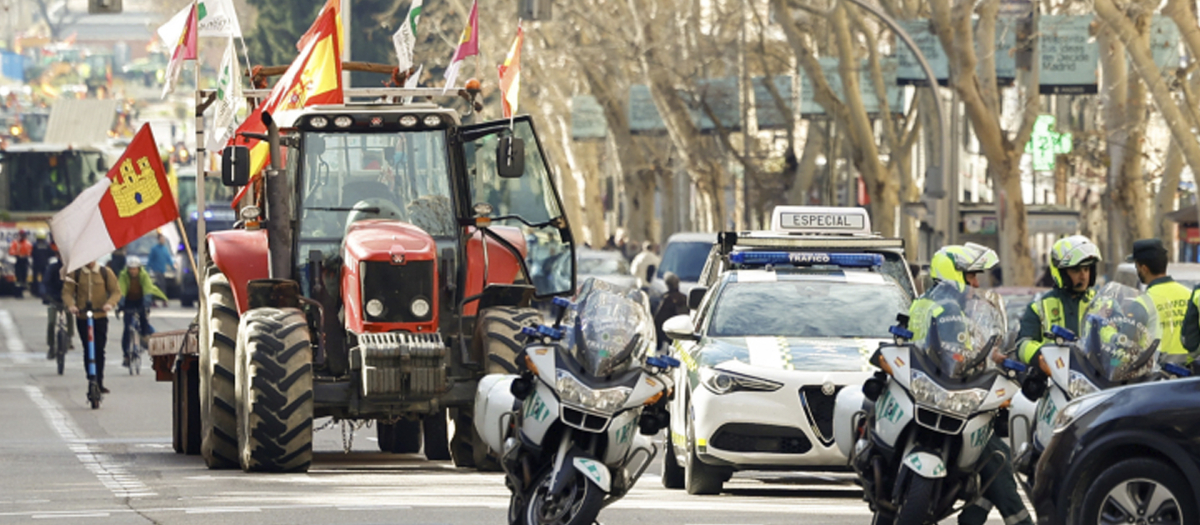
(742, 437)
(939, 422)
(819, 406)
(584, 421)
(396, 286)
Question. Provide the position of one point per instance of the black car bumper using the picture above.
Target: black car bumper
(1048, 496)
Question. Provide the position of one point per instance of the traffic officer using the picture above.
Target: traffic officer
(961, 266)
(1170, 298)
(1073, 263)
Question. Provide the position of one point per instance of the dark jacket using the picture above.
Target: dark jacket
(1190, 335)
(673, 303)
(41, 254)
(52, 283)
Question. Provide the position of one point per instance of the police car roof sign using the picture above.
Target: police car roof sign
(821, 220)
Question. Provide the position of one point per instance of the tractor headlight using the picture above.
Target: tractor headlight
(408, 121)
(343, 121)
(318, 122)
(573, 392)
(419, 307)
(433, 120)
(375, 308)
(959, 402)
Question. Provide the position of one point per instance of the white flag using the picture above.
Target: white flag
(405, 37)
(229, 100)
(215, 18)
(412, 82)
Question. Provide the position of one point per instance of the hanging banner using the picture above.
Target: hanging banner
(721, 96)
(643, 116)
(1068, 57)
(829, 66)
(909, 71)
(587, 118)
(765, 108)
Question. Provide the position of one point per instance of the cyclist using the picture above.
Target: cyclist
(92, 288)
(137, 292)
(52, 282)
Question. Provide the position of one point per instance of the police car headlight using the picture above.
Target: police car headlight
(572, 392)
(721, 382)
(1077, 408)
(958, 402)
(1079, 386)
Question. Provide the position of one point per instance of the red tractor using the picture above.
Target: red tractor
(383, 264)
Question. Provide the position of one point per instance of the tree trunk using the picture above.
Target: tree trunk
(1013, 227)
(1164, 201)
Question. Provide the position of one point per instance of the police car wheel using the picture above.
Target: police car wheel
(672, 475)
(699, 477)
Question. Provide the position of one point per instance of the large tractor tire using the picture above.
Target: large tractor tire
(433, 435)
(496, 341)
(275, 380)
(218, 396)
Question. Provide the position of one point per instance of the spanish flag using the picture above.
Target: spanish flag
(134, 199)
(332, 5)
(510, 76)
(315, 77)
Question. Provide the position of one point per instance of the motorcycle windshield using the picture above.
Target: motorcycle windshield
(1120, 333)
(609, 329)
(962, 326)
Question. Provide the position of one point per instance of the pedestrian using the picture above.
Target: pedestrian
(1170, 298)
(92, 288)
(160, 261)
(116, 263)
(22, 250)
(645, 264)
(1073, 262)
(674, 303)
(52, 284)
(961, 267)
(137, 291)
(40, 259)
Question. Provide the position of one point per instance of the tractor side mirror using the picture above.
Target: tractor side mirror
(235, 166)
(510, 157)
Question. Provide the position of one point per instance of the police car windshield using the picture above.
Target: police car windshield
(685, 259)
(806, 309)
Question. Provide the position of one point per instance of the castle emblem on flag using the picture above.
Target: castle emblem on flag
(135, 190)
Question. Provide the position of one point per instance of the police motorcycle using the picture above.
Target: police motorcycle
(573, 429)
(1118, 345)
(915, 433)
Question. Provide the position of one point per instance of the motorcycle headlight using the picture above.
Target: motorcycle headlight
(374, 308)
(721, 382)
(1077, 408)
(1079, 386)
(573, 392)
(959, 402)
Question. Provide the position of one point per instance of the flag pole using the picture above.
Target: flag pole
(201, 173)
(187, 244)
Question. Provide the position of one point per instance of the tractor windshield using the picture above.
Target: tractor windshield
(347, 177)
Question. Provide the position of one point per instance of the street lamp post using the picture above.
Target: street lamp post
(935, 175)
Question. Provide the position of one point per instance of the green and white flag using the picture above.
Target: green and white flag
(214, 18)
(229, 101)
(405, 37)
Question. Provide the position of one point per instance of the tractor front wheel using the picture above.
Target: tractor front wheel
(275, 380)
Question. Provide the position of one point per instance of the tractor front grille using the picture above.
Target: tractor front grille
(396, 286)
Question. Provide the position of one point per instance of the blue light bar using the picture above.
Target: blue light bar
(850, 260)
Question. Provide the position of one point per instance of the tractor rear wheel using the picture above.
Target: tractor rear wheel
(495, 341)
(218, 396)
(275, 380)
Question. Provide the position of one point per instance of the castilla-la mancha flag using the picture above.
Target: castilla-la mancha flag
(134, 199)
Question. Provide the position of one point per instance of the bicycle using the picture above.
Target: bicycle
(62, 337)
(135, 342)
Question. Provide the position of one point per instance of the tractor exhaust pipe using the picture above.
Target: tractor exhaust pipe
(279, 213)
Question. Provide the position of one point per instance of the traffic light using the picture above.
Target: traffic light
(104, 7)
(534, 10)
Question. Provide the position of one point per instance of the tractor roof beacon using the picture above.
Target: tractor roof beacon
(379, 268)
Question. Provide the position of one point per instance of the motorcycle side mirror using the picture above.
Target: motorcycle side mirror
(510, 157)
(235, 166)
(101, 166)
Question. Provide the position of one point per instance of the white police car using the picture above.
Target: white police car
(787, 321)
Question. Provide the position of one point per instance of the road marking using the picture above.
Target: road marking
(70, 515)
(111, 474)
(374, 507)
(217, 510)
(12, 338)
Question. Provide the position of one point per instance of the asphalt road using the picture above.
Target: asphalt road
(62, 462)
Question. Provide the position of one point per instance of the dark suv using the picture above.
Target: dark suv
(1126, 455)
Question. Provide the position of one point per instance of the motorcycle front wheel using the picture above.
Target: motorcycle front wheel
(914, 509)
(578, 504)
